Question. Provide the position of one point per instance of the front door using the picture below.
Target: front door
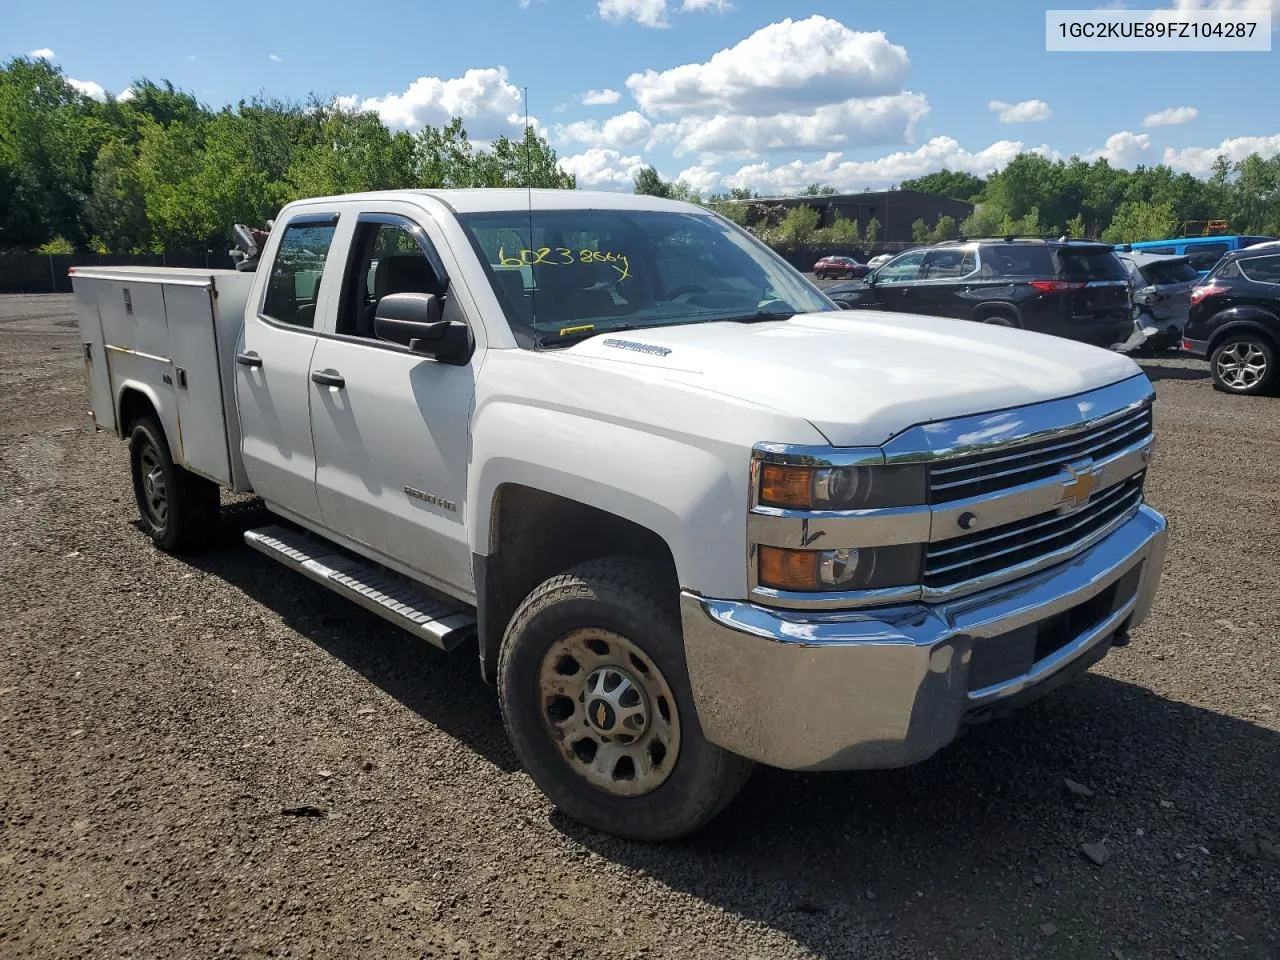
(896, 281)
(391, 427)
(273, 370)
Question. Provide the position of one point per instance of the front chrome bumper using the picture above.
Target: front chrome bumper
(889, 687)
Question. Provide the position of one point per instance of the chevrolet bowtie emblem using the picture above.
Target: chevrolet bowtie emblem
(1079, 486)
(601, 714)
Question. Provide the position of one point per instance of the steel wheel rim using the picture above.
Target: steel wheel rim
(1242, 365)
(155, 491)
(610, 712)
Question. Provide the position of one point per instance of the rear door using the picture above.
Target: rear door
(273, 366)
(944, 282)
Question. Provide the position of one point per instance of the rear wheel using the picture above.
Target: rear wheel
(999, 320)
(595, 696)
(177, 509)
(1244, 363)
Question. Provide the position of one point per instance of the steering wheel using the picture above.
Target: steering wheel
(686, 288)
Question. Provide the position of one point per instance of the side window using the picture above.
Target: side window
(902, 269)
(1017, 260)
(949, 264)
(387, 258)
(294, 285)
(1204, 255)
(1160, 250)
(1263, 269)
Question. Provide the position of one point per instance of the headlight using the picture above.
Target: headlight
(852, 568)
(842, 488)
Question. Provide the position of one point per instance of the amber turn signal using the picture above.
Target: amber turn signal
(784, 486)
(788, 569)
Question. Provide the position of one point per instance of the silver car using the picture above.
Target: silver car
(1161, 298)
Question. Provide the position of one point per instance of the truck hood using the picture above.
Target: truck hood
(862, 378)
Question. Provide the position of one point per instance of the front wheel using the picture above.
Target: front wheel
(595, 697)
(1244, 363)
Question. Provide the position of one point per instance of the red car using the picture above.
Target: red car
(840, 267)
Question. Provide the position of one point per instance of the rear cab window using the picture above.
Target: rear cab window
(293, 288)
(1204, 255)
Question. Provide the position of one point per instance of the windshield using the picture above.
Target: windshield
(584, 272)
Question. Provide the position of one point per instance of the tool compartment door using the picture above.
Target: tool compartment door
(97, 372)
(197, 380)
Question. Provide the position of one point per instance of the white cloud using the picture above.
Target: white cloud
(600, 98)
(128, 93)
(809, 84)
(89, 88)
(44, 53)
(1231, 5)
(1170, 117)
(1200, 160)
(859, 122)
(488, 103)
(599, 167)
(1123, 149)
(648, 13)
(275, 58)
(624, 130)
(191, 58)
(852, 175)
(1025, 111)
(787, 65)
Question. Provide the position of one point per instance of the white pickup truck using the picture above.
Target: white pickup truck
(694, 515)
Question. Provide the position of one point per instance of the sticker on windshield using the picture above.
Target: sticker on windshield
(563, 257)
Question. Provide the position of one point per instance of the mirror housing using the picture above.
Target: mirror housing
(416, 321)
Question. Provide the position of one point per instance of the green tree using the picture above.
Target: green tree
(117, 207)
(799, 225)
(841, 230)
(945, 229)
(872, 231)
(947, 183)
(1075, 226)
(818, 190)
(920, 231)
(1136, 221)
(56, 246)
(650, 183)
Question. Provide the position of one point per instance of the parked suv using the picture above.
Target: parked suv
(1070, 288)
(1235, 320)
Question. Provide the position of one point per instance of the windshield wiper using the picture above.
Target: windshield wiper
(574, 334)
(760, 316)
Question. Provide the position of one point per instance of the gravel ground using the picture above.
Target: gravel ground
(157, 716)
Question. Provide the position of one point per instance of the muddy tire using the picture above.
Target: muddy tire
(177, 509)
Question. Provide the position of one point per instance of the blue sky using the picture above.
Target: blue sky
(768, 94)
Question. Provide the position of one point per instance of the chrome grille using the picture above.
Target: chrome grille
(951, 562)
(1008, 467)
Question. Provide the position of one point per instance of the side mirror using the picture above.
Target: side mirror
(870, 278)
(416, 321)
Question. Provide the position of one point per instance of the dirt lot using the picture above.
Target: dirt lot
(157, 715)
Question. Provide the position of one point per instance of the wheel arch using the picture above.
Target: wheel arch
(1255, 322)
(533, 534)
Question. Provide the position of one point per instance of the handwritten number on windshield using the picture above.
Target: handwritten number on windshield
(563, 256)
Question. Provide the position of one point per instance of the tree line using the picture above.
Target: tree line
(1035, 196)
(158, 170)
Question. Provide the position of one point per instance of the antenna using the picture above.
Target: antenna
(528, 186)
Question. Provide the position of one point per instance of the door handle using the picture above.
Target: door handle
(328, 378)
(249, 359)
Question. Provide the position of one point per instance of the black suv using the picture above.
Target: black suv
(1077, 289)
(1235, 320)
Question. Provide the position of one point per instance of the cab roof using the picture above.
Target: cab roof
(502, 199)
